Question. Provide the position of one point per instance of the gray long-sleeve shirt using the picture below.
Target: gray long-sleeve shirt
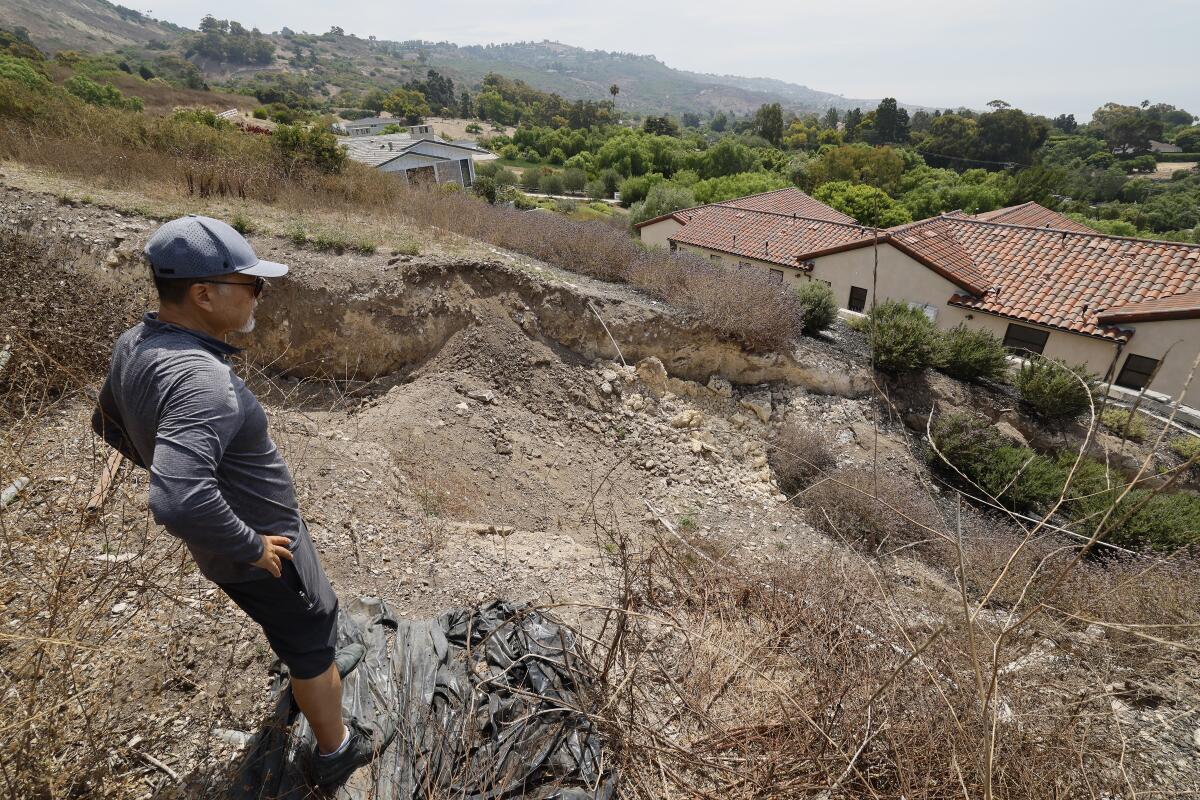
(172, 403)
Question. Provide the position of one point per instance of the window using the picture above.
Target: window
(1020, 339)
(777, 276)
(1137, 372)
(743, 264)
(714, 257)
(858, 299)
(674, 246)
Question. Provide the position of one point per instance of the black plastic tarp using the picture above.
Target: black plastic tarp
(485, 703)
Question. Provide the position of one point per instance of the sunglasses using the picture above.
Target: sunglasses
(259, 284)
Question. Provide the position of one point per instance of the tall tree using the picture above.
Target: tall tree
(830, 120)
(885, 120)
(769, 122)
(853, 120)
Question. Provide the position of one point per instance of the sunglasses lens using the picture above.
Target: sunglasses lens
(259, 285)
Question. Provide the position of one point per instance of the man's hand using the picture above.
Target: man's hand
(274, 548)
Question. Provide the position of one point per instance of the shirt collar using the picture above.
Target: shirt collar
(211, 343)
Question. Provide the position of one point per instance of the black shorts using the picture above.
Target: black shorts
(297, 612)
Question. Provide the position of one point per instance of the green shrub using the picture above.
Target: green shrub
(820, 309)
(101, 94)
(1124, 423)
(552, 183)
(202, 116)
(298, 147)
(1186, 447)
(1018, 477)
(902, 338)
(485, 187)
(242, 224)
(970, 354)
(1178, 157)
(1163, 521)
(531, 177)
(1054, 389)
(22, 71)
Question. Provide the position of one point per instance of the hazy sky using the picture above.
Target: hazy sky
(1046, 56)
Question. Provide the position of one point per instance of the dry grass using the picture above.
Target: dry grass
(799, 455)
(836, 676)
(119, 149)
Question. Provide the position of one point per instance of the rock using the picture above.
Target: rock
(720, 386)
(1094, 631)
(652, 373)
(482, 395)
(609, 376)
(503, 448)
(462, 409)
(635, 402)
(759, 403)
(120, 608)
(606, 387)
(1008, 431)
(691, 418)
(235, 738)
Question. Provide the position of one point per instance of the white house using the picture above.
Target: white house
(370, 126)
(418, 160)
(1127, 308)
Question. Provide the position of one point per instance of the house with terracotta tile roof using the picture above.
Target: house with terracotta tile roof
(789, 202)
(1127, 308)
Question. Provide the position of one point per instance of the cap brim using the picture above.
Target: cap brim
(265, 269)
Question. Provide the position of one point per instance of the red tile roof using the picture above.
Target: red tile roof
(1177, 306)
(1075, 281)
(1034, 216)
(764, 236)
(790, 201)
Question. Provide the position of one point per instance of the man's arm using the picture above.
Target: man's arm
(108, 425)
(200, 417)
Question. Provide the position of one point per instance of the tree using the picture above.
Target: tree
(727, 157)
(997, 105)
(660, 126)
(714, 190)
(886, 120)
(951, 136)
(1009, 135)
(662, 198)
(1188, 139)
(1066, 123)
(1126, 129)
(881, 167)
(407, 103)
(614, 90)
(375, 100)
(921, 120)
(830, 120)
(867, 204)
(719, 122)
(852, 121)
(769, 122)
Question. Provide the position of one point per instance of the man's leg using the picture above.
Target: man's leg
(320, 700)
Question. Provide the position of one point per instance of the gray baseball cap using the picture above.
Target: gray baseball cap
(199, 247)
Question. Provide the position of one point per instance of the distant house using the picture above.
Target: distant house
(1163, 147)
(418, 160)
(370, 126)
(1127, 308)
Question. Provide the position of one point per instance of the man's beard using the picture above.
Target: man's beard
(248, 325)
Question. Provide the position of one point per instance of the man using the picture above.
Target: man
(172, 404)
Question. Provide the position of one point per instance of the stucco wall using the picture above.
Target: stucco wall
(655, 234)
(899, 277)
